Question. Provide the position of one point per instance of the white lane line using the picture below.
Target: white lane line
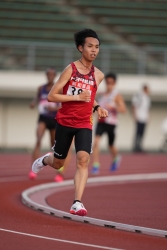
(23, 178)
(125, 177)
(13, 178)
(56, 239)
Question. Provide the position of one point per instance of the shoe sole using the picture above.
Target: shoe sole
(33, 165)
(58, 179)
(32, 176)
(112, 170)
(95, 171)
(81, 212)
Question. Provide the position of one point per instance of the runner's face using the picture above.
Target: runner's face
(146, 90)
(110, 84)
(50, 75)
(90, 49)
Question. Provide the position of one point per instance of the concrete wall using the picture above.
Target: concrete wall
(24, 84)
(18, 122)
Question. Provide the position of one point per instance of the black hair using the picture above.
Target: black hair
(80, 36)
(111, 75)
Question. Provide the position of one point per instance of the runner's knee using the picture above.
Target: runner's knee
(82, 161)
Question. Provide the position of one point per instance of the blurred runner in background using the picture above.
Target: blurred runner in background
(141, 104)
(46, 121)
(114, 103)
(164, 130)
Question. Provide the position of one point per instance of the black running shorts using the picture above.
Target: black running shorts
(49, 121)
(64, 136)
(106, 128)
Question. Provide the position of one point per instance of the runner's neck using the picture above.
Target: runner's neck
(109, 92)
(85, 64)
(81, 68)
(50, 84)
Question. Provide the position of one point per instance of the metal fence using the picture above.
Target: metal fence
(120, 59)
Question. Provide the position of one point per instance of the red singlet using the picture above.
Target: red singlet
(78, 114)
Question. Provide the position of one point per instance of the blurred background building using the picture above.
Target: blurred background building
(38, 34)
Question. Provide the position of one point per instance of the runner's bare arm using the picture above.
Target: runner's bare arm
(99, 78)
(121, 106)
(55, 93)
(95, 103)
(35, 101)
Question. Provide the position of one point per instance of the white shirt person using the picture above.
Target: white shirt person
(141, 103)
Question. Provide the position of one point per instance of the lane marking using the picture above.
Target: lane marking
(116, 178)
(23, 178)
(56, 239)
(13, 178)
(26, 199)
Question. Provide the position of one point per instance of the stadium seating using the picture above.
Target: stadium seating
(121, 4)
(29, 21)
(146, 22)
(140, 20)
(132, 23)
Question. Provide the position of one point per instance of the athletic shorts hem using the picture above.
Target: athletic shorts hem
(49, 121)
(106, 128)
(61, 157)
(64, 137)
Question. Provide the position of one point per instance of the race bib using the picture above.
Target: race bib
(75, 88)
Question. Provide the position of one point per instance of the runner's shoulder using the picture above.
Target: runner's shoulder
(99, 74)
(118, 97)
(67, 70)
(41, 86)
(65, 75)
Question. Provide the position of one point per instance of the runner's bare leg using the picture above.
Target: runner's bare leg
(53, 162)
(81, 174)
(96, 149)
(41, 127)
(114, 151)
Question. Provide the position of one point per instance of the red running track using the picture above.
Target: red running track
(16, 216)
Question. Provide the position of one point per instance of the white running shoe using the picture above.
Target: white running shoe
(38, 164)
(78, 209)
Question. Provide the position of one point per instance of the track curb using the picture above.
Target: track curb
(119, 179)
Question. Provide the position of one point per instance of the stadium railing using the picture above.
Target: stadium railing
(121, 59)
(144, 22)
(125, 5)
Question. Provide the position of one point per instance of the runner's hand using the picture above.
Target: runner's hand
(32, 105)
(50, 109)
(84, 96)
(102, 113)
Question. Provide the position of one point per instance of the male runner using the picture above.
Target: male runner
(114, 103)
(47, 112)
(141, 104)
(79, 82)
